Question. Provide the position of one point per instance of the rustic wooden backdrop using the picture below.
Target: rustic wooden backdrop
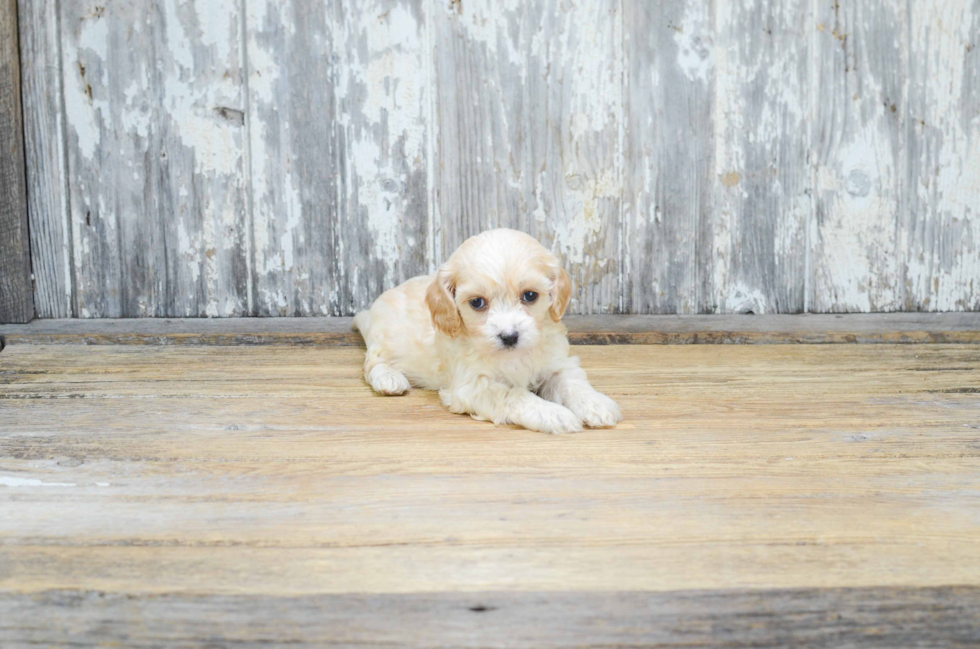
(296, 157)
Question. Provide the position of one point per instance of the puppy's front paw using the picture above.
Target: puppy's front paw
(386, 380)
(597, 410)
(553, 418)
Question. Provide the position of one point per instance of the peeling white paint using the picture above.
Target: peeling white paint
(177, 39)
(85, 106)
(392, 109)
(294, 217)
(857, 241)
(575, 236)
(695, 41)
(745, 299)
(136, 117)
(551, 77)
(392, 75)
(943, 272)
(188, 250)
(215, 30)
(7, 481)
(490, 23)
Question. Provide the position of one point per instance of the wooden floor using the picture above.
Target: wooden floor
(754, 496)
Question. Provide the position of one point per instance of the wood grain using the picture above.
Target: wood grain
(754, 250)
(294, 157)
(47, 172)
(736, 467)
(154, 102)
(943, 120)
(482, 177)
(529, 114)
(574, 90)
(830, 618)
(910, 328)
(718, 189)
(298, 158)
(749, 490)
(16, 290)
(338, 107)
(384, 93)
(669, 154)
(859, 139)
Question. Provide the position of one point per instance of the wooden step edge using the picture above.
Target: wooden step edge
(892, 328)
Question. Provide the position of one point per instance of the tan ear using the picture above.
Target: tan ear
(561, 294)
(442, 306)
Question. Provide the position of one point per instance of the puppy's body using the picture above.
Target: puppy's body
(486, 332)
(401, 340)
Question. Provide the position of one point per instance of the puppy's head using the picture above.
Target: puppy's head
(499, 289)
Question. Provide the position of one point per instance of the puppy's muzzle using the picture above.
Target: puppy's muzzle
(509, 339)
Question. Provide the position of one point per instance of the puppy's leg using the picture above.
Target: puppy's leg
(379, 375)
(502, 404)
(385, 379)
(570, 387)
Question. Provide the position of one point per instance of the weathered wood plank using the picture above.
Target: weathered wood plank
(859, 142)
(717, 189)
(294, 158)
(44, 134)
(943, 229)
(754, 238)
(658, 147)
(575, 113)
(384, 94)
(16, 290)
(482, 176)
(154, 104)
(582, 330)
(339, 152)
(529, 113)
(669, 155)
(160, 471)
(831, 618)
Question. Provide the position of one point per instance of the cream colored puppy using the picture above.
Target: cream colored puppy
(486, 332)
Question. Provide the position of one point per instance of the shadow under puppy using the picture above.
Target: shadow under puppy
(486, 332)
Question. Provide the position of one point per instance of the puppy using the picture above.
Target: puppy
(486, 332)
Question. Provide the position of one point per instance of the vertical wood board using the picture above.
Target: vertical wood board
(44, 140)
(669, 155)
(530, 109)
(339, 164)
(16, 292)
(942, 256)
(481, 174)
(753, 253)
(859, 143)
(155, 115)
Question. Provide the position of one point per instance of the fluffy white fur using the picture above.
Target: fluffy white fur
(427, 333)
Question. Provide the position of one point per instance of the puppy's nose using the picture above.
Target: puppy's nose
(509, 339)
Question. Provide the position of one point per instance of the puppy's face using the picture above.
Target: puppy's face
(499, 289)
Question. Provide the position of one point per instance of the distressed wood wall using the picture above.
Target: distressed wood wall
(297, 157)
(16, 293)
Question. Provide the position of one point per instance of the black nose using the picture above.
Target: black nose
(509, 340)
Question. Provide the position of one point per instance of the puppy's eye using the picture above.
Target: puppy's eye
(529, 297)
(478, 303)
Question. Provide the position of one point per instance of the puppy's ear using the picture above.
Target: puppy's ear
(442, 306)
(561, 294)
